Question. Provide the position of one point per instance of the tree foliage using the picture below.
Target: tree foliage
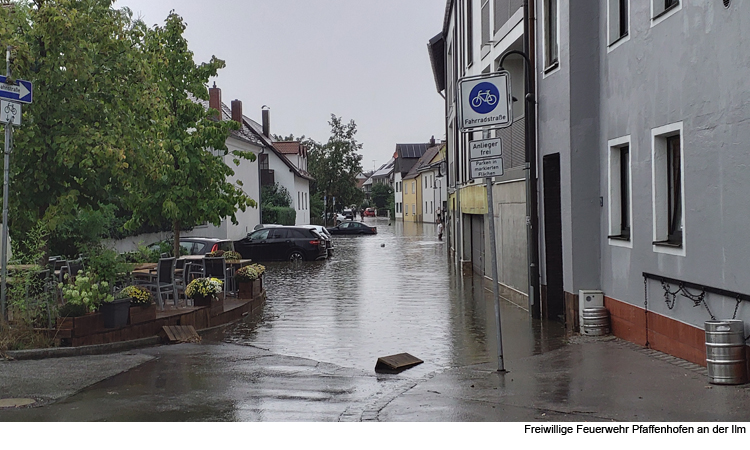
(87, 131)
(381, 194)
(336, 164)
(186, 183)
(275, 195)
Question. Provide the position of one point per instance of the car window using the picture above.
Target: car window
(259, 235)
(200, 248)
(187, 246)
(279, 233)
(345, 225)
(226, 246)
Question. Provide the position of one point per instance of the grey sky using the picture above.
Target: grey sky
(306, 59)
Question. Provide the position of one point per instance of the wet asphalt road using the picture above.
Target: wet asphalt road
(310, 355)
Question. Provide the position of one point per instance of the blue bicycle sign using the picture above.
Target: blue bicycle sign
(484, 98)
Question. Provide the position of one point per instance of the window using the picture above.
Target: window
(485, 22)
(667, 190)
(414, 208)
(413, 189)
(620, 192)
(550, 34)
(299, 200)
(661, 9)
(407, 209)
(619, 19)
(469, 33)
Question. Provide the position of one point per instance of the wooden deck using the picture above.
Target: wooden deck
(93, 333)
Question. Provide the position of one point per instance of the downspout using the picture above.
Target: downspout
(532, 184)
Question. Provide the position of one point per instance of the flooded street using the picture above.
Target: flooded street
(380, 295)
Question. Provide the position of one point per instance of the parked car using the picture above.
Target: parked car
(194, 245)
(369, 212)
(283, 243)
(323, 232)
(353, 228)
(348, 214)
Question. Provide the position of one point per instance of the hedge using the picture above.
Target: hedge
(279, 215)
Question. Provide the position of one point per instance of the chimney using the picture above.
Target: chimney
(237, 111)
(432, 141)
(266, 121)
(214, 100)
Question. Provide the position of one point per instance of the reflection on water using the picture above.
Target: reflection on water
(380, 295)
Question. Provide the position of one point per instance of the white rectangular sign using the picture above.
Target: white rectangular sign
(485, 101)
(10, 113)
(484, 168)
(486, 148)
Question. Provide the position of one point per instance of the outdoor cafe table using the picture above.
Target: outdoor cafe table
(147, 271)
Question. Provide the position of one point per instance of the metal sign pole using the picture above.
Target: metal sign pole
(4, 247)
(495, 280)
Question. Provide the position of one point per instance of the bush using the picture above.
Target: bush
(279, 215)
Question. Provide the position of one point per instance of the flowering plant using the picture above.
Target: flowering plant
(204, 287)
(232, 256)
(216, 254)
(86, 290)
(138, 295)
(249, 273)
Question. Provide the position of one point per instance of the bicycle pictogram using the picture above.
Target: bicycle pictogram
(10, 110)
(483, 97)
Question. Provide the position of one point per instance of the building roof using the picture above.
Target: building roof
(290, 147)
(243, 134)
(424, 162)
(408, 154)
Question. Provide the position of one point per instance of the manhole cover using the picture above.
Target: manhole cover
(16, 402)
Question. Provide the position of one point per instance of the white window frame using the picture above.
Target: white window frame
(659, 187)
(662, 16)
(554, 67)
(614, 187)
(611, 45)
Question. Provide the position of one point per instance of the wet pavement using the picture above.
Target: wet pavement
(310, 356)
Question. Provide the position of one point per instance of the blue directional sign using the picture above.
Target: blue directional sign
(20, 92)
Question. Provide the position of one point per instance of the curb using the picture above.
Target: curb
(100, 349)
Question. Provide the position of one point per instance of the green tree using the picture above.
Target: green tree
(87, 131)
(276, 195)
(381, 194)
(335, 164)
(187, 182)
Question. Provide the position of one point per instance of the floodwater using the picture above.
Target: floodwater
(394, 292)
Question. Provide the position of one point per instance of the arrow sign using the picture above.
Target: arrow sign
(20, 92)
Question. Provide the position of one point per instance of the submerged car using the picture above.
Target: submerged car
(369, 212)
(283, 243)
(193, 245)
(353, 228)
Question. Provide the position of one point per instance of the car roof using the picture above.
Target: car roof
(202, 239)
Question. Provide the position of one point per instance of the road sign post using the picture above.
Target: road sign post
(486, 103)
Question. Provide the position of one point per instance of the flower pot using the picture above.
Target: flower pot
(202, 301)
(246, 289)
(115, 313)
(142, 313)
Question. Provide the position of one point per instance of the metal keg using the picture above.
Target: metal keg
(595, 321)
(725, 351)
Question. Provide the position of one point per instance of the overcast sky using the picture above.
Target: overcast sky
(308, 59)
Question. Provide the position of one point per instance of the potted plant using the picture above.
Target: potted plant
(204, 290)
(84, 293)
(216, 254)
(142, 306)
(232, 256)
(246, 279)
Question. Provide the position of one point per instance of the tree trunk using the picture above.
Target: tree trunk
(176, 232)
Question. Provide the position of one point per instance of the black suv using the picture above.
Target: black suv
(282, 244)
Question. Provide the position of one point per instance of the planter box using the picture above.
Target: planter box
(215, 306)
(83, 325)
(141, 314)
(250, 289)
(116, 313)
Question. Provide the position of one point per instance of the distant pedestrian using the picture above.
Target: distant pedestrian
(440, 231)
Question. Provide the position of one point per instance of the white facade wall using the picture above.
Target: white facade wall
(398, 195)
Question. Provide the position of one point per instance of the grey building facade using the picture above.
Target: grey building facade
(643, 139)
(642, 144)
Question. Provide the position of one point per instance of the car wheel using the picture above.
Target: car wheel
(296, 256)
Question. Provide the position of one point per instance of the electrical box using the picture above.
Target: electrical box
(588, 299)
